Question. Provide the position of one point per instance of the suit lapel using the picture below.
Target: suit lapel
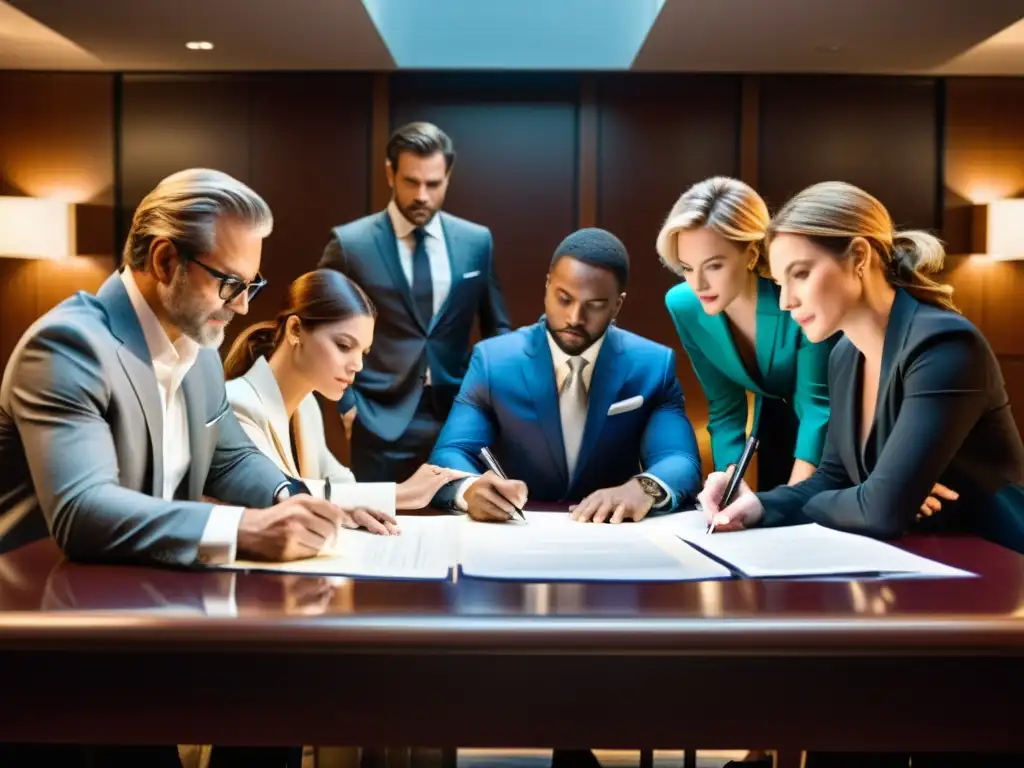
(138, 367)
(539, 373)
(387, 245)
(900, 316)
(846, 406)
(611, 369)
(765, 343)
(458, 262)
(307, 454)
(200, 448)
(261, 379)
(718, 327)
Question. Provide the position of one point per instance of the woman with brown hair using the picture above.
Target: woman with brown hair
(917, 396)
(315, 344)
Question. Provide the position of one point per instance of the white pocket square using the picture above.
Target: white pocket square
(218, 417)
(627, 405)
(474, 273)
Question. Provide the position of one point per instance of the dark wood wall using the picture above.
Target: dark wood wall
(538, 156)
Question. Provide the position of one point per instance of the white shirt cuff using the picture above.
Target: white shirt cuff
(460, 494)
(669, 500)
(222, 603)
(219, 542)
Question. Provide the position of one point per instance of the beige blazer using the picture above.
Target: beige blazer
(256, 400)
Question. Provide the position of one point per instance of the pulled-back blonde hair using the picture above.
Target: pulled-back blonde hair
(184, 208)
(724, 205)
(832, 213)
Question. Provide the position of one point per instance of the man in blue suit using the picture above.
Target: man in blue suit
(573, 408)
(430, 275)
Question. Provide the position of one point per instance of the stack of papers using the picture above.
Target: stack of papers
(802, 551)
(551, 547)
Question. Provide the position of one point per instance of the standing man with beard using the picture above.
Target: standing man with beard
(430, 275)
(573, 408)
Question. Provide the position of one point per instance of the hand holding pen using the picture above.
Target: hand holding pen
(493, 497)
(726, 500)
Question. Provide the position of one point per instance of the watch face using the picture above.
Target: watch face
(651, 488)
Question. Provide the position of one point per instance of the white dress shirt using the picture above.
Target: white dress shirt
(171, 362)
(560, 360)
(437, 254)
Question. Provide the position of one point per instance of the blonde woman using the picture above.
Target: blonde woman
(918, 397)
(738, 340)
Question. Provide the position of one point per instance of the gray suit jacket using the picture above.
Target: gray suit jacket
(388, 388)
(81, 438)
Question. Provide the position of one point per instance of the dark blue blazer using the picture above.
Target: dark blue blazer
(388, 388)
(508, 402)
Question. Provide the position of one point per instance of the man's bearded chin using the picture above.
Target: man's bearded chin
(190, 319)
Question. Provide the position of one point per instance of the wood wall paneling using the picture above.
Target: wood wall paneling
(308, 158)
(659, 134)
(56, 140)
(984, 149)
(879, 133)
(173, 122)
(516, 165)
(300, 141)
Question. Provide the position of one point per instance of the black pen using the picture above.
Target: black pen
(327, 489)
(737, 476)
(492, 464)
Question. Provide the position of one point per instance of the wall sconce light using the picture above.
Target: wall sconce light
(36, 228)
(998, 229)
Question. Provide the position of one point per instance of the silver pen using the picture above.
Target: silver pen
(495, 467)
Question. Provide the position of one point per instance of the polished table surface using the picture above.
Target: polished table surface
(95, 652)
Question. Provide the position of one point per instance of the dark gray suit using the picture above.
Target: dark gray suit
(389, 391)
(81, 439)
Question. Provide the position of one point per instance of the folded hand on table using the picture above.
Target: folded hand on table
(933, 504)
(623, 502)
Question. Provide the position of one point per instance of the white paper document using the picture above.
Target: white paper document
(376, 496)
(426, 548)
(552, 547)
(810, 550)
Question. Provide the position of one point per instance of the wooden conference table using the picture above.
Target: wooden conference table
(124, 654)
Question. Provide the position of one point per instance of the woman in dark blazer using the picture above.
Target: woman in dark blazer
(738, 339)
(917, 395)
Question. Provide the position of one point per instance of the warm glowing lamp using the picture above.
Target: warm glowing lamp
(998, 229)
(36, 228)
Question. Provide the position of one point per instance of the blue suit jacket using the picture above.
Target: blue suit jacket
(508, 402)
(389, 387)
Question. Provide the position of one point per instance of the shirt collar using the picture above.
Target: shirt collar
(403, 227)
(182, 353)
(589, 354)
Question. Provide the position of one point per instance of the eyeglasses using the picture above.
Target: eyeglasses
(231, 287)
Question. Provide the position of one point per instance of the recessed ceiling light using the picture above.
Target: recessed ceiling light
(199, 45)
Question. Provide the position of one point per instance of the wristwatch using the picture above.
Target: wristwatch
(290, 487)
(652, 488)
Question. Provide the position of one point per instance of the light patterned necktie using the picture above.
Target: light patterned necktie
(572, 404)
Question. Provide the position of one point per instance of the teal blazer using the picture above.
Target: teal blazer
(789, 368)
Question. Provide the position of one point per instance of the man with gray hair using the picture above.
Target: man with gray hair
(114, 423)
